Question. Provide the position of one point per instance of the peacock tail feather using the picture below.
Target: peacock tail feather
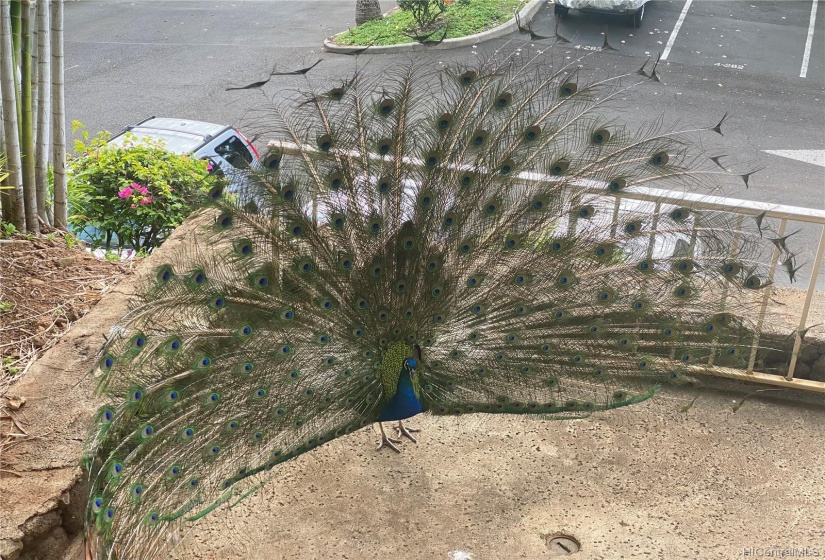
(463, 217)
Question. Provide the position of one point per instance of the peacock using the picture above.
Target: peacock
(448, 239)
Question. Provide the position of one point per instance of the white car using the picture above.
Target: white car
(633, 8)
(221, 144)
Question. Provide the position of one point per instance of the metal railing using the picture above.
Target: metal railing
(694, 201)
(741, 208)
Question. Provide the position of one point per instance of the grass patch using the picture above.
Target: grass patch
(461, 18)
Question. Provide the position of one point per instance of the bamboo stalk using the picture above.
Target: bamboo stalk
(58, 118)
(26, 125)
(13, 209)
(43, 109)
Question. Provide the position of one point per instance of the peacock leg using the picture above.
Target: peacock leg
(387, 441)
(404, 431)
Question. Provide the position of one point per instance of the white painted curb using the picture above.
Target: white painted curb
(525, 15)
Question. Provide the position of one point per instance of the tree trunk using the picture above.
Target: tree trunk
(43, 109)
(13, 209)
(26, 127)
(58, 119)
(367, 10)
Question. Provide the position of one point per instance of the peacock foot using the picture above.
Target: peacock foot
(387, 441)
(406, 432)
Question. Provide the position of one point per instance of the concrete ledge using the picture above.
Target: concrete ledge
(525, 15)
(42, 487)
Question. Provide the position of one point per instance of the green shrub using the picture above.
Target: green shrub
(132, 196)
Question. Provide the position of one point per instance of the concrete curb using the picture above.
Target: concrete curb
(525, 15)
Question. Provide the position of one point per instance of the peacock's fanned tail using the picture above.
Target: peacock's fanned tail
(468, 211)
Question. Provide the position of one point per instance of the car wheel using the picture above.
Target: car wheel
(560, 10)
(639, 16)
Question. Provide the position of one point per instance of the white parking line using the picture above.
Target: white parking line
(676, 30)
(807, 56)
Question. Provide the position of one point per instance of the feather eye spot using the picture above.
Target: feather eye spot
(479, 137)
(632, 227)
(468, 77)
(214, 398)
(532, 133)
(324, 142)
(624, 342)
(731, 269)
(600, 136)
(683, 292)
(617, 185)
(224, 221)
(437, 291)
(383, 185)
(432, 266)
(286, 349)
(473, 336)
(567, 89)
(597, 372)
(431, 159)
(680, 214)
(375, 226)
(204, 362)
(506, 167)
(520, 310)
(645, 266)
(260, 393)
(660, 158)
(107, 415)
(136, 395)
(408, 244)
(467, 179)
(449, 220)
(358, 333)
(173, 345)
(408, 314)
(109, 515)
(438, 319)
(164, 274)
(586, 212)
(444, 121)
(503, 100)
(425, 200)
(187, 433)
(619, 396)
(217, 302)
(107, 362)
(246, 330)
(384, 146)
(511, 338)
(232, 425)
(560, 167)
(753, 282)
(147, 432)
(386, 106)
(499, 357)
(198, 277)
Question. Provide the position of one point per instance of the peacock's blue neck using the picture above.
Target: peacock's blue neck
(404, 403)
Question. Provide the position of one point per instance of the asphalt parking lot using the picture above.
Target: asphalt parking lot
(779, 38)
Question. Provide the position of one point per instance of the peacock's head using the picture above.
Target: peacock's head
(399, 358)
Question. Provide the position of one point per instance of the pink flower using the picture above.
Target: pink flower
(133, 206)
(208, 166)
(125, 193)
(140, 188)
(146, 200)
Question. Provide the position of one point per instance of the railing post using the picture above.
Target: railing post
(765, 296)
(805, 308)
